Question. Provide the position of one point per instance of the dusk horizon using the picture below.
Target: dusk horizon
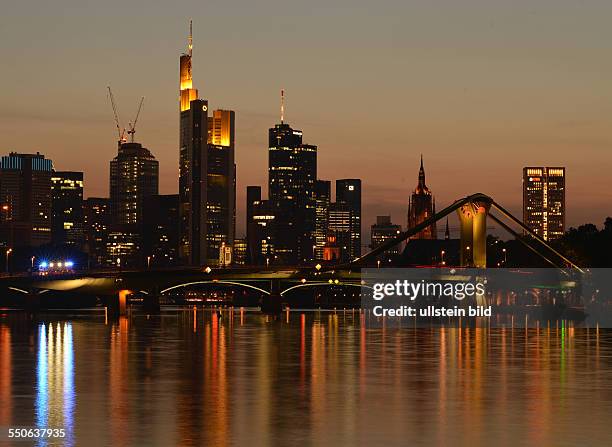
(475, 98)
(327, 223)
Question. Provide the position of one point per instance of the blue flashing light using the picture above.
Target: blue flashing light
(68, 264)
(43, 265)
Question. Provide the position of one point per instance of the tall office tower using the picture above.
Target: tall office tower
(207, 174)
(292, 172)
(134, 176)
(96, 211)
(220, 183)
(422, 206)
(544, 201)
(192, 183)
(193, 142)
(382, 231)
(340, 233)
(67, 208)
(322, 201)
(160, 229)
(348, 192)
(25, 200)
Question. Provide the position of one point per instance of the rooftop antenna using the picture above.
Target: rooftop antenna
(120, 131)
(282, 105)
(190, 40)
(132, 130)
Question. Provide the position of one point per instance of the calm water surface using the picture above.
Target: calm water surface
(189, 378)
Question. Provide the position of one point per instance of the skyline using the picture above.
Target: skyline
(569, 119)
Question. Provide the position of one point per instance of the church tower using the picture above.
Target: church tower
(421, 206)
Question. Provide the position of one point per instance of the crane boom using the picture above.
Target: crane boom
(132, 130)
(120, 132)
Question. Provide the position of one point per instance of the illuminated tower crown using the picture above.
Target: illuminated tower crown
(188, 93)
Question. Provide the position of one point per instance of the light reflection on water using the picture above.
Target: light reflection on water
(55, 394)
(188, 377)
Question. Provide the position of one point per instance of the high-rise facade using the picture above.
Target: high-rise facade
(207, 174)
(67, 208)
(25, 200)
(421, 206)
(253, 242)
(134, 176)
(263, 232)
(339, 236)
(348, 193)
(239, 255)
(544, 201)
(96, 216)
(160, 230)
(382, 231)
(322, 201)
(192, 183)
(220, 183)
(292, 172)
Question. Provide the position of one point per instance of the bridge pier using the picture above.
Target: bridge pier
(151, 302)
(117, 304)
(32, 302)
(473, 222)
(272, 304)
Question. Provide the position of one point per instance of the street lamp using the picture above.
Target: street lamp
(148, 262)
(8, 252)
(32, 259)
(442, 253)
(505, 255)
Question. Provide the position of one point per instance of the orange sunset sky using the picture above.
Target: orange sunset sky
(480, 88)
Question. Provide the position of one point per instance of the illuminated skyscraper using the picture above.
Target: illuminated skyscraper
(339, 234)
(292, 172)
(67, 208)
(25, 200)
(348, 193)
(134, 176)
(220, 183)
(422, 206)
(544, 201)
(207, 174)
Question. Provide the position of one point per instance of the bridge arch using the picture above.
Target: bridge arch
(314, 284)
(232, 283)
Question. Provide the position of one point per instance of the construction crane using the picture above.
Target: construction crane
(132, 130)
(120, 131)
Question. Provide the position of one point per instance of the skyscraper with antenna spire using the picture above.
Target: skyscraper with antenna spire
(207, 173)
(292, 172)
